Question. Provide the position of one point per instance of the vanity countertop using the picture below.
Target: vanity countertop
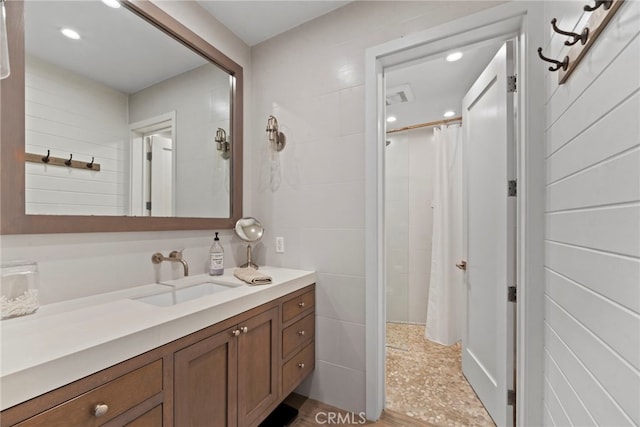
(66, 341)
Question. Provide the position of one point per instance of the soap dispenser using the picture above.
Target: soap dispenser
(216, 258)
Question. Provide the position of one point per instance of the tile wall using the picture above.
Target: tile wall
(409, 175)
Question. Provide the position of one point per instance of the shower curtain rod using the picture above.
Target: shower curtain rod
(425, 125)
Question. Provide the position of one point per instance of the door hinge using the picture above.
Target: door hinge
(512, 84)
(512, 294)
(513, 188)
(511, 397)
(149, 155)
(148, 206)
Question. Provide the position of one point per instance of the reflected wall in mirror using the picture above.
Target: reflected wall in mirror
(148, 113)
(146, 101)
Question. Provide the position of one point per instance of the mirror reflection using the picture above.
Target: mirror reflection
(250, 230)
(147, 108)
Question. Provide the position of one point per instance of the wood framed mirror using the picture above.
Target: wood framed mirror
(15, 216)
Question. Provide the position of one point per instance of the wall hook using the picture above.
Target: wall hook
(607, 4)
(68, 162)
(90, 165)
(46, 158)
(559, 64)
(582, 38)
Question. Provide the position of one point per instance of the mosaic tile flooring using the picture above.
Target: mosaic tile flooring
(425, 381)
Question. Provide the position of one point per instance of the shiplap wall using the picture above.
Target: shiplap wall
(70, 114)
(592, 303)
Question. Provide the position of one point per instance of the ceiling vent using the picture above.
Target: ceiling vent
(399, 94)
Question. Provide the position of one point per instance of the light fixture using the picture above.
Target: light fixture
(391, 119)
(72, 34)
(275, 136)
(449, 113)
(5, 69)
(452, 57)
(222, 145)
(112, 3)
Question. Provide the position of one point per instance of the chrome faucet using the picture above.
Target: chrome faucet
(174, 256)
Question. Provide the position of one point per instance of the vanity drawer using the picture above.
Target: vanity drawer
(296, 369)
(298, 334)
(119, 395)
(297, 305)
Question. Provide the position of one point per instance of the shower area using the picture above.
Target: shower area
(425, 288)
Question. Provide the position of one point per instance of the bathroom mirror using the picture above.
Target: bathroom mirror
(250, 230)
(148, 114)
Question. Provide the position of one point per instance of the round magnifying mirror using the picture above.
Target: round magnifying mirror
(250, 230)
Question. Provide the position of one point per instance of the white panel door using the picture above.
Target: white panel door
(487, 345)
(161, 176)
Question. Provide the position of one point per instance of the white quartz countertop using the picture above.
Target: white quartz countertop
(66, 341)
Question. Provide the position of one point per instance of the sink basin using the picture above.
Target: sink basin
(187, 293)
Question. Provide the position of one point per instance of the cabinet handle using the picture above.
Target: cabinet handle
(100, 409)
(301, 304)
(244, 329)
(236, 333)
(301, 333)
(300, 365)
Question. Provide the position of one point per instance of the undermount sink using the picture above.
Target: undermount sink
(187, 293)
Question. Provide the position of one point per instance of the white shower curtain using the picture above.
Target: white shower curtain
(444, 308)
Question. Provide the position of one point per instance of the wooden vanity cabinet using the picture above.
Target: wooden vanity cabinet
(131, 393)
(232, 374)
(241, 361)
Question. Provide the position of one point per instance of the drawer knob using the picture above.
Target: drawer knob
(301, 333)
(300, 365)
(301, 304)
(236, 333)
(244, 329)
(100, 409)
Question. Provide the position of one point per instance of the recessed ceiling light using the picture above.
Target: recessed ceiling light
(391, 119)
(68, 32)
(449, 113)
(112, 3)
(452, 57)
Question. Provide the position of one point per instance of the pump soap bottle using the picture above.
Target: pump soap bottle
(216, 258)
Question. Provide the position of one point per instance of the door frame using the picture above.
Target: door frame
(138, 165)
(526, 21)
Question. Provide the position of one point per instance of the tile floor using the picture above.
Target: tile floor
(425, 381)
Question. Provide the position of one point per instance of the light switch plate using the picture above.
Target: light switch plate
(280, 245)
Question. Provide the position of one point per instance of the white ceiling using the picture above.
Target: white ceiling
(116, 48)
(437, 85)
(257, 21)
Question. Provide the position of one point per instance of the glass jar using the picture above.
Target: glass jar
(18, 288)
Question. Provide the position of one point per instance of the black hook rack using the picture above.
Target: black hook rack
(559, 64)
(60, 161)
(582, 37)
(606, 3)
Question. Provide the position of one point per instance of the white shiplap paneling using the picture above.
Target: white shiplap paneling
(592, 305)
(70, 114)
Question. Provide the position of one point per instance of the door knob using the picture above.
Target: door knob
(462, 265)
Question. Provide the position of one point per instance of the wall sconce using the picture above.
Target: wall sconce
(5, 69)
(275, 136)
(222, 145)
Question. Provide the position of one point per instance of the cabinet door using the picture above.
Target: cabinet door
(206, 382)
(257, 366)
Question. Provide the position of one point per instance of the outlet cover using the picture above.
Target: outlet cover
(280, 245)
